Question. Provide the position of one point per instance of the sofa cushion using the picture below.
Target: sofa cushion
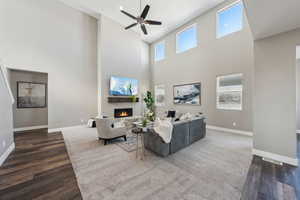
(180, 136)
(153, 142)
(197, 131)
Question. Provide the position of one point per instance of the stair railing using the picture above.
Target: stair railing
(4, 73)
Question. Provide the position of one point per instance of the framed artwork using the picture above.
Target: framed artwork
(159, 95)
(230, 92)
(187, 94)
(31, 95)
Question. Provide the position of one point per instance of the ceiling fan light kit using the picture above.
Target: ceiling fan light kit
(141, 20)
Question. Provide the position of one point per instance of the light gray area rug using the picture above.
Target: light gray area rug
(211, 169)
(129, 145)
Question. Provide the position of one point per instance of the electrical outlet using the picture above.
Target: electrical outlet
(4, 144)
(234, 124)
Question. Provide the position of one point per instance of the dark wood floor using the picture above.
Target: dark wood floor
(39, 168)
(267, 181)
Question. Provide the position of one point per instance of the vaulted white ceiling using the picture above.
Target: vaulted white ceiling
(270, 17)
(172, 13)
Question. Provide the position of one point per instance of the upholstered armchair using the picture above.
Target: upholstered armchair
(108, 130)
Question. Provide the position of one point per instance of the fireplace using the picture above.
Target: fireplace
(123, 112)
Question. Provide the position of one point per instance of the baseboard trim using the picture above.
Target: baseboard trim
(30, 128)
(298, 131)
(240, 132)
(55, 130)
(276, 157)
(7, 153)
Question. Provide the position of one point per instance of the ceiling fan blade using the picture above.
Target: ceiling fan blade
(129, 15)
(130, 26)
(152, 22)
(143, 27)
(145, 12)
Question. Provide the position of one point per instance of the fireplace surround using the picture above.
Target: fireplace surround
(123, 112)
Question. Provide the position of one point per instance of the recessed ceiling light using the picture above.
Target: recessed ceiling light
(121, 8)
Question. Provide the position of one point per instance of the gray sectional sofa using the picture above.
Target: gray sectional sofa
(184, 134)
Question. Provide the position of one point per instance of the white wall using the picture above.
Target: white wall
(48, 36)
(121, 53)
(212, 57)
(275, 94)
(6, 122)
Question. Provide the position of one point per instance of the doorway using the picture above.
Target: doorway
(30, 110)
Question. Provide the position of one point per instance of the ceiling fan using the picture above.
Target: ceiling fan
(141, 19)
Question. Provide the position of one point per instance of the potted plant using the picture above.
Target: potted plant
(134, 98)
(149, 101)
(144, 124)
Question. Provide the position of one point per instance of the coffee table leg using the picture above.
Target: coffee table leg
(143, 146)
(137, 145)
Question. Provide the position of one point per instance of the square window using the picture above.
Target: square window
(186, 39)
(159, 51)
(230, 19)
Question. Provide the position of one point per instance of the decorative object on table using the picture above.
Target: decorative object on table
(31, 95)
(149, 100)
(187, 94)
(159, 95)
(230, 92)
(144, 124)
(91, 123)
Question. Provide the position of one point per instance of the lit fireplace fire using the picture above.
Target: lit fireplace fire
(123, 114)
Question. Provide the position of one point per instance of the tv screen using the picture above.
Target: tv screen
(120, 86)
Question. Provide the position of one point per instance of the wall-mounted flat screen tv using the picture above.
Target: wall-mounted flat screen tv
(120, 86)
